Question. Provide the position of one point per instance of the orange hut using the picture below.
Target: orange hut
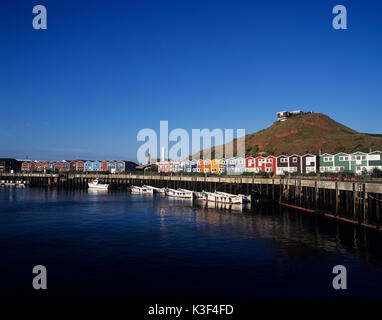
(207, 166)
(200, 165)
(215, 166)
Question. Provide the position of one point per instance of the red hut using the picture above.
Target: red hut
(104, 166)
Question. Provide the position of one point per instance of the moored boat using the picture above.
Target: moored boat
(95, 184)
(195, 194)
(136, 189)
(187, 194)
(222, 197)
(155, 189)
(11, 183)
(245, 199)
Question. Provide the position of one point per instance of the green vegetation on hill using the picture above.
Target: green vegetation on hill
(309, 133)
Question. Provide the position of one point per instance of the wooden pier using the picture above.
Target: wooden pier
(353, 201)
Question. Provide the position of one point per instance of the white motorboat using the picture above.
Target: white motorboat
(136, 189)
(187, 194)
(195, 194)
(18, 183)
(155, 189)
(95, 184)
(222, 197)
(245, 199)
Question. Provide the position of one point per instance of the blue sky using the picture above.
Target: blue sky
(106, 69)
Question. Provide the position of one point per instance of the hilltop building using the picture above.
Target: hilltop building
(284, 115)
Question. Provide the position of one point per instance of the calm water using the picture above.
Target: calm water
(122, 246)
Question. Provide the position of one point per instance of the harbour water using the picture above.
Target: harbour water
(115, 245)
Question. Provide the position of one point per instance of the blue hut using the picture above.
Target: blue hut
(96, 166)
(88, 166)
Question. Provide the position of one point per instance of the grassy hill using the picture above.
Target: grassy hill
(309, 133)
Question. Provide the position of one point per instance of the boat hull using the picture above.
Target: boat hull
(195, 194)
(98, 186)
(154, 189)
(141, 190)
(244, 198)
(179, 194)
(223, 198)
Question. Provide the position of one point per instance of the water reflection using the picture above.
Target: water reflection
(97, 191)
(178, 245)
(225, 206)
(297, 235)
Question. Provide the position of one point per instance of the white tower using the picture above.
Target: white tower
(162, 155)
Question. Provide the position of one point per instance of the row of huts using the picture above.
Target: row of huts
(78, 166)
(357, 163)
